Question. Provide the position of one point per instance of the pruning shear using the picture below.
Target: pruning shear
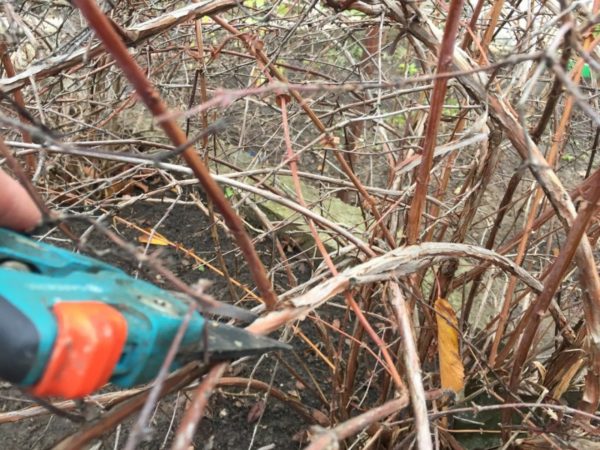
(70, 323)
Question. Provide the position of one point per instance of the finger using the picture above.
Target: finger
(17, 209)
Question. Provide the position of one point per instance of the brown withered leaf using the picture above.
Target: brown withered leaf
(330, 141)
(302, 437)
(452, 372)
(256, 411)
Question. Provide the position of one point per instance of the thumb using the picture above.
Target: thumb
(17, 210)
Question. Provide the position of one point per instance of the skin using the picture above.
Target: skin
(17, 210)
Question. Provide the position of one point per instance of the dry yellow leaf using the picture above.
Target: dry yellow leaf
(452, 372)
(157, 239)
(569, 373)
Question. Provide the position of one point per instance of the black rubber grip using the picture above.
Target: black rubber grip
(19, 341)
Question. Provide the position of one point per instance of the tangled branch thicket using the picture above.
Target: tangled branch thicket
(384, 156)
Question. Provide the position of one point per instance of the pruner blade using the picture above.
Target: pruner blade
(225, 342)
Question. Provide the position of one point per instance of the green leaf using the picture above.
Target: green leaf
(586, 72)
(229, 192)
(255, 4)
(567, 157)
(283, 9)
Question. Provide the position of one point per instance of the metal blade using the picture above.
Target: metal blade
(226, 342)
(232, 312)
(222, 309)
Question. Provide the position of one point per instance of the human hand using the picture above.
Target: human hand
(17, 209)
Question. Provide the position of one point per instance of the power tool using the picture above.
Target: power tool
(70, 323)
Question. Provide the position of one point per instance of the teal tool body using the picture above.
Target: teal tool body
(70, 323)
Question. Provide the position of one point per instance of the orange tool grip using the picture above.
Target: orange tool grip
(89, 342)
